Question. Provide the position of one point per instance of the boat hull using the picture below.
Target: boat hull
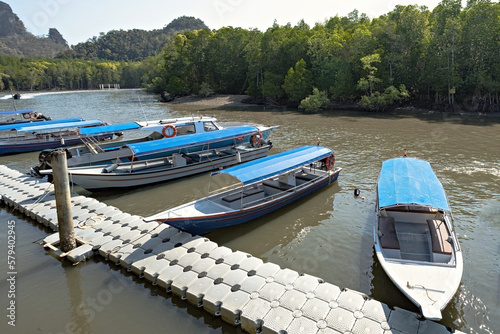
(205, 224)
(429, 287)
(134, 179)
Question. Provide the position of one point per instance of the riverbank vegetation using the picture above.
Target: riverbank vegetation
(443, 58)
(27, 74)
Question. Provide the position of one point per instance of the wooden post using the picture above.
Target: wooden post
(67, 240)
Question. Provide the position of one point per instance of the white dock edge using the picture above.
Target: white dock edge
(260, 297)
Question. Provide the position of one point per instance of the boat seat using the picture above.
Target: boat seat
(238, 196)
(278, 185)
(439, 237)
(253, 191)
(306, 177)
(388, 237)
(233, 198)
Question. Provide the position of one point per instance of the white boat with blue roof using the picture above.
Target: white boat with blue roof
(27, 137)
(21, 116)
(263, 186)
(415, 239)
(93, 153)
(178, 160)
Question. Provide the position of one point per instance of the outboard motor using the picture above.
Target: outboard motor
(44, 159)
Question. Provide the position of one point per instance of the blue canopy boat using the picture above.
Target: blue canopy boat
(415, 241)
(15, 126)
(26, 137)
(92, 153)
(175, 158)
(265, 185)
(21, 116)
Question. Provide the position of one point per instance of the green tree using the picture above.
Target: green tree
(367, 83)
(298, 81)
(480, 56)
(442, 69)
(380, 101)
(411, 37)
(314, 101)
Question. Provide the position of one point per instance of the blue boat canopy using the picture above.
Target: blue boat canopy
(56, 126)
(410, 181)
(179, 142)
(264, 168)
(15, 112)
(109, 128)
(16, 126)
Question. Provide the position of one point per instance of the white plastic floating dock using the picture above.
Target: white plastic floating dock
(260, 297)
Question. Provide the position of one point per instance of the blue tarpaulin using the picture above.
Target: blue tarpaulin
(264, 168)
(26, 125)
(174, 143)
(410, 181)
(109, 128)
(57, 126)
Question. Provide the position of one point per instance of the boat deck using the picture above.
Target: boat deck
(241, 289)
(414, 241)
(200, 208)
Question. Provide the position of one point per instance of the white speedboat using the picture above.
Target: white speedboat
(415, 241)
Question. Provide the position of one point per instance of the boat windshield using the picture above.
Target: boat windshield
(184, 129)
(209, 126)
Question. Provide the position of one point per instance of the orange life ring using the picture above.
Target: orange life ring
(169, 131)
(27, 116)
(256, 139)
(240, 138)
(34, 115)
(330, 161)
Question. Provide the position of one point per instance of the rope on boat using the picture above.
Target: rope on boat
(423, 287)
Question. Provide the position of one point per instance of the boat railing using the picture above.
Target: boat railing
(451, 227)
(226, 188)
(91, 143)
(268, 198)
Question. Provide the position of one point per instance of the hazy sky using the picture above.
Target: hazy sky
(79, 20)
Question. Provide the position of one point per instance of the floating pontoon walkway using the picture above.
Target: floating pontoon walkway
(244, 291)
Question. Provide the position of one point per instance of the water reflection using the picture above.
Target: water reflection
(280, 228)
(80, 314)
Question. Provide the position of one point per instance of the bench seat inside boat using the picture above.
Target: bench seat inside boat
(248, 195)
(439, 237)
(388, 236)
(278, 185)
(306, 177)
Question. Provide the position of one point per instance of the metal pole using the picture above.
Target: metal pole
(67, 240)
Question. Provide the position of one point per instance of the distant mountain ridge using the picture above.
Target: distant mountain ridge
(118, 45)
(16, 41)
(131, 45)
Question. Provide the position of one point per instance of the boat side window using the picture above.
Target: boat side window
(185, 129)
(209, 126)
